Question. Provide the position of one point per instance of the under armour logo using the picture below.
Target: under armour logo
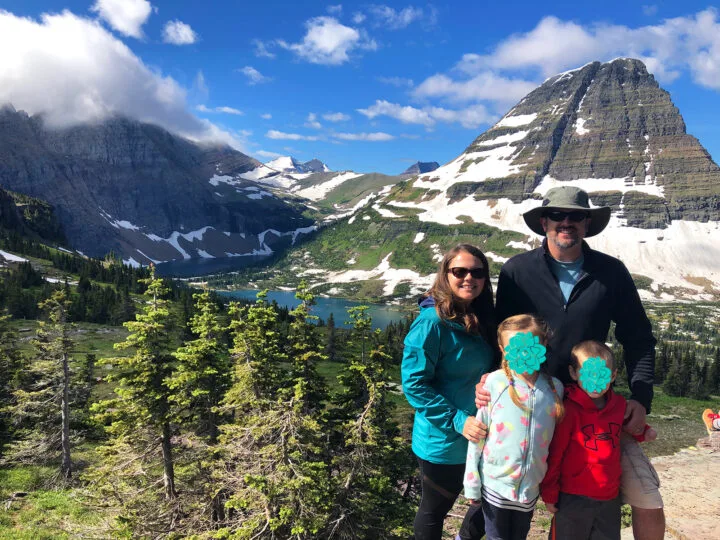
(592, 438)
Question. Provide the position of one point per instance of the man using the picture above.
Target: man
(579, 292)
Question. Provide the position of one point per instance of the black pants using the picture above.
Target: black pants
(504, 524)
(441, 485)
(473, 526)
(583, 518)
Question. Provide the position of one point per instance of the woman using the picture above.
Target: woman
(449, 347)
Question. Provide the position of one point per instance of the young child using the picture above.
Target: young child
(583, 477)
(711, 420)
(503, 471)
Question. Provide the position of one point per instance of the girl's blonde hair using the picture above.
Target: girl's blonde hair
(538, 327)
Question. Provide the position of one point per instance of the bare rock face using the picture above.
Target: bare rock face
(122, 184)
(609, 121)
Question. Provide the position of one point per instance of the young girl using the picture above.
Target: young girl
(504, 470)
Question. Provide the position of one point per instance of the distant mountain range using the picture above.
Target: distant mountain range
(144, 193)
(609, 128)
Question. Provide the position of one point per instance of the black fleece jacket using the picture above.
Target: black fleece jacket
(605, 292)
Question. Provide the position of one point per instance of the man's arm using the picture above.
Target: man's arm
(507, 299)
(634, 332)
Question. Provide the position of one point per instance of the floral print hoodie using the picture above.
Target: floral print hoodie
(512, 459)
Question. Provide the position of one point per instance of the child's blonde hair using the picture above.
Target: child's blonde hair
(591, 348)
(538, 327)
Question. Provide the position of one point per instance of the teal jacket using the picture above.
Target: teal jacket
(512, 460)
(441, 365)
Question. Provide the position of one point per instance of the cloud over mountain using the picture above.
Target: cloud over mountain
(125, 16)
(92, 74)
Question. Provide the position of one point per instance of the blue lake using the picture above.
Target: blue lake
(381, 315)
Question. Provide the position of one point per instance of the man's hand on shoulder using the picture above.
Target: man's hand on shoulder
(482, 396)
(635, 414)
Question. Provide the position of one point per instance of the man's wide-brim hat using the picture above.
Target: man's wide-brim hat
(568, 198)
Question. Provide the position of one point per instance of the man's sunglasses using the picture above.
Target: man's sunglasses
(574, 217)
(460, 272)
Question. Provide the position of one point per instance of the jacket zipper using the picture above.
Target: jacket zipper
(574, 290)
(529, 438)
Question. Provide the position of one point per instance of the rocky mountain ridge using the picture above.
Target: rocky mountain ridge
(607, 128)
(144, 193)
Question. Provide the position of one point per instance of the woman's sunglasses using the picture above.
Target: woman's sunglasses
(460, 272)
(574, 217)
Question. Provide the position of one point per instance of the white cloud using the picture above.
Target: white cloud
(371, 137)
(470, 117)
(399, 82)
(335, 10)
(336, 117)
(358, 17)
(72, 70)
(484, 86)
(225, 110)
(261, 49)
(682, 44)
(266, 116)
(125, 16)
(254, 76)
(407, 114)
(179, 33)
(279, 135)
(394, 20)
(312, 122)
(329, 42)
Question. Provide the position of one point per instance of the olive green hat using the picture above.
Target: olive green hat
(568, 198)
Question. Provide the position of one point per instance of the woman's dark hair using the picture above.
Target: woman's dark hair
(478, 317)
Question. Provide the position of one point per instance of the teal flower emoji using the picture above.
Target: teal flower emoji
(595, 376)
(524, 353)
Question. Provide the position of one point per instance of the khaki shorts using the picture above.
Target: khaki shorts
(639, 485)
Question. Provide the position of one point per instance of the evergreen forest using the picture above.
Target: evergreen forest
(205, 419)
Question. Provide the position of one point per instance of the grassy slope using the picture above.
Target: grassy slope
(367, 239)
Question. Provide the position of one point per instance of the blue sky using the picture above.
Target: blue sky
(361, 86)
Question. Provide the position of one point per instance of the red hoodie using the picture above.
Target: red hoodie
(585, 450)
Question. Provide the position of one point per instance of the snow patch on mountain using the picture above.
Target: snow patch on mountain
(516, 120)
(320, 191)
(603, 184)
(391, 276)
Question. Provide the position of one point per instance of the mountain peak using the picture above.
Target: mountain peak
(288, 164)
(421, 167)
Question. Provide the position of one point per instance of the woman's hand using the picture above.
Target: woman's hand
(551, 508)
(473, 430)
(482, 396)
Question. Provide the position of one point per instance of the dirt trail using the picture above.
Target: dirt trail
(690, 486)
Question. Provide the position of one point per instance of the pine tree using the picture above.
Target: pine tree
(674, 385)
(331, 346)
(713, 378)
(202, 374)
(661, 362)
(12, 367)
(138, 420)
(373, 459)
(42, 405)
(274, 469)
(305, 352)
(696, 386)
